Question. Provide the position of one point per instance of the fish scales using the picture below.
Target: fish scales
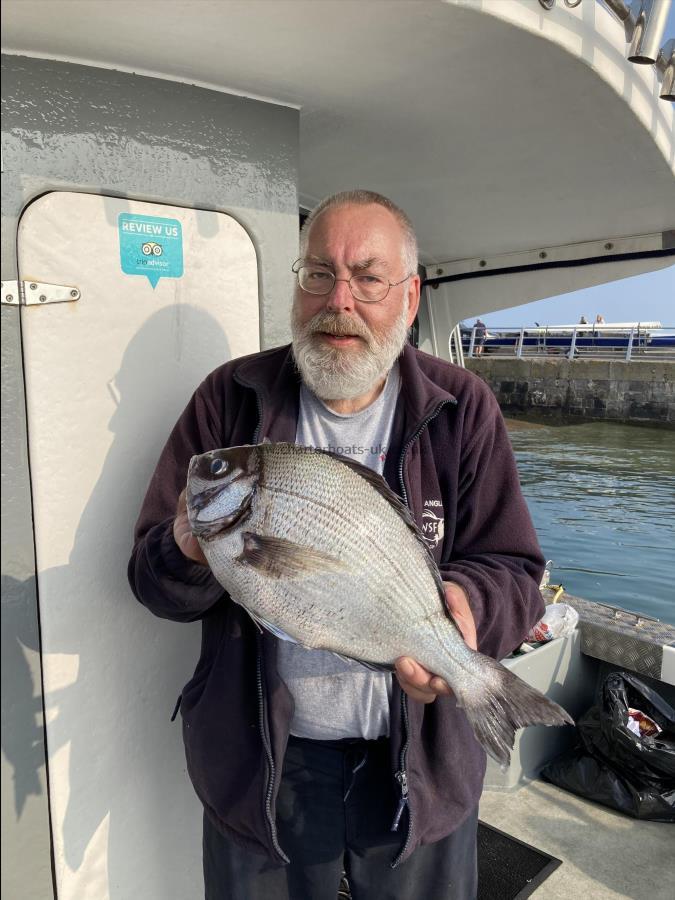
(388, 581)
(319, 550)
(387, 565)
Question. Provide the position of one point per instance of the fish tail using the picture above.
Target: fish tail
(498, 702)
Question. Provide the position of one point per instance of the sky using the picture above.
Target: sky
(643, 298)
(649, 297)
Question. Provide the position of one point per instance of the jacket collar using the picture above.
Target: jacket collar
(274, 377)
(420, 394)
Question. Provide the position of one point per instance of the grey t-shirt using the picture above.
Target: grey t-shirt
(335, 698)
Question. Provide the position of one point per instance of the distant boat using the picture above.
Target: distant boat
(589, 337)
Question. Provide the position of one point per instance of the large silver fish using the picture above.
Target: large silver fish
(319, 550)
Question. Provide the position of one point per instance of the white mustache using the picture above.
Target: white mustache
(340, 326)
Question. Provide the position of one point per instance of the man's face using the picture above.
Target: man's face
(343, 346)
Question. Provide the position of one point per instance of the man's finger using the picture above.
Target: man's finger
(418, 682)
(440, 685)
(412, 673)
(182, 533)
(181, 506)
(419, 696)
(457, 601)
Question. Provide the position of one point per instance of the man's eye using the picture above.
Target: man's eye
(369, 280)
(318, 275)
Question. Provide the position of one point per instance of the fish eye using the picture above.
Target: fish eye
(218, 466)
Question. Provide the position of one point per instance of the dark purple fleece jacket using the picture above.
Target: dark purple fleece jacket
(449, 450)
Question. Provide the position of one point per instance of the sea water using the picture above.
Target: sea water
(602, 497)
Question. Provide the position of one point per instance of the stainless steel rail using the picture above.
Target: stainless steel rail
(644, 23)
(583, 341)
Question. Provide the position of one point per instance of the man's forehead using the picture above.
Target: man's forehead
(362, 221)
(369, 262)
(360, 236)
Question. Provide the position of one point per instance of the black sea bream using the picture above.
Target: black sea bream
(319, 550)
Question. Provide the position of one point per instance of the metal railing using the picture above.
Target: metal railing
(579, 342)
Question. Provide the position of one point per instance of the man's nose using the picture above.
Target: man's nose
(340, 298)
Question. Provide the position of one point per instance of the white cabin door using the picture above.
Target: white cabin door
(165, 295)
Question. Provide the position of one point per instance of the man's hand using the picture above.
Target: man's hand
(183, 536)
(458, 604)
(418, 682)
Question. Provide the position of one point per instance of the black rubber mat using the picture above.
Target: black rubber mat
(509, 869)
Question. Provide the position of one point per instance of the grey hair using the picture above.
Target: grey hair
(365, 198)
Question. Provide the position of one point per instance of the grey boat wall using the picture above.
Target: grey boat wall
(76, 128)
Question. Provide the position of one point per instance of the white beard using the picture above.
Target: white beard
(333, 373)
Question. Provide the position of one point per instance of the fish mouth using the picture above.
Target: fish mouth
(207, 529)
(207, 526)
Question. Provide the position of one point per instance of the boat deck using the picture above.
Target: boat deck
(605, 854)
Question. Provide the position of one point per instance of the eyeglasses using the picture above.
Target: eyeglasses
(364, 286)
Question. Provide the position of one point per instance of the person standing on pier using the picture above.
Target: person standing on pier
(479, 337)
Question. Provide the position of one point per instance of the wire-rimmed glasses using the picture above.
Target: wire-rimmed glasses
(364, 286)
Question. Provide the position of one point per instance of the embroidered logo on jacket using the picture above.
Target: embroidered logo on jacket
(433, 525)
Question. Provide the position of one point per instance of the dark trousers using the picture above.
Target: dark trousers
(334, 812)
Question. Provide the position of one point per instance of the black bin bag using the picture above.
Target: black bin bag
(611, 764)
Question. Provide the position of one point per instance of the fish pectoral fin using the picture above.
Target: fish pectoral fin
(278, 558)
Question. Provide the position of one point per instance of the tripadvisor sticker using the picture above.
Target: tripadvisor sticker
(150, 246)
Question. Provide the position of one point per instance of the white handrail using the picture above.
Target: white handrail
(618, 340)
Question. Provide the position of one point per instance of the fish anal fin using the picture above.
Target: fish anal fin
(277, 557)
(273, 629)
(373, 666)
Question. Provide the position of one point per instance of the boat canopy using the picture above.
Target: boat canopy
(502, 128)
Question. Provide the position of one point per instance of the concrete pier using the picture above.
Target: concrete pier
(641, 392)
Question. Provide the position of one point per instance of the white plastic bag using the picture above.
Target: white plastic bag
(558, 620)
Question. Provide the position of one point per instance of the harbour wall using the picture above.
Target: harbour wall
(641, 392)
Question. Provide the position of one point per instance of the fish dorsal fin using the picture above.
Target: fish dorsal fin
(277, 557)
(373, 478)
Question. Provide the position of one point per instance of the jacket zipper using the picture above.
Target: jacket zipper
(424, 424)
(256, 433)
(262, 725)
(262, 711)
(402, 779)
(402, 776)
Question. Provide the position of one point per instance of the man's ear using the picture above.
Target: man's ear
(413, 298)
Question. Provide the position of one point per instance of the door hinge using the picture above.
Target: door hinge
(35, 293)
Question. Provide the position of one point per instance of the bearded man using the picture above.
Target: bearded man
(308, 765)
